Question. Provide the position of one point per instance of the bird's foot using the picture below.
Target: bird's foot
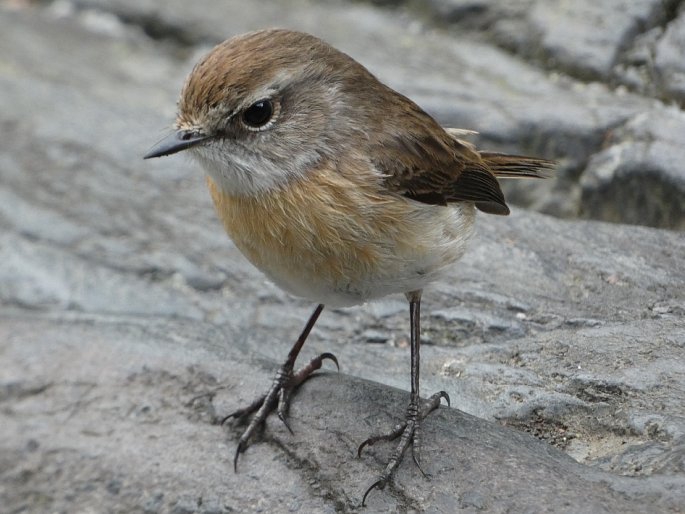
(409, 433)
(276, 398)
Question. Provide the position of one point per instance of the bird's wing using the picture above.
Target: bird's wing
(421, 161)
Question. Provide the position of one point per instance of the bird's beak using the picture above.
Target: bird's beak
(176, 142)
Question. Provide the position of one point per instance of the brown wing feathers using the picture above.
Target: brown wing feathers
(437, 171)
(430, 164)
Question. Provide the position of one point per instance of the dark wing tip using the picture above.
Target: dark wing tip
(500, 209)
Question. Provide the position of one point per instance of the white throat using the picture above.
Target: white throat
(244, 173)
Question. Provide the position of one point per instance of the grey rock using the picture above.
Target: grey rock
(185, 505)
(153, 504)
(182, 459)
(635, 44)
(639, 178)
(636, 68)
(129, 323)
(583, 38)
(589, 41)
(668, 60)
(474, 14)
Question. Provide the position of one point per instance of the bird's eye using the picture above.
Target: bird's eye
(258, 114)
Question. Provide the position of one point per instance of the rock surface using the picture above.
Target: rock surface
(628, 45)
(669, 69)
(642, 155)
(129, 322)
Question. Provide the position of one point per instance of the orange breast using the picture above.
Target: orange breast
(313, 228)
(330, 234)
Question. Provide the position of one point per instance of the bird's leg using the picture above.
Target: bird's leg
(408, 431)
(278, 396)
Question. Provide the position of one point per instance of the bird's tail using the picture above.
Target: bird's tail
(505, 165)
(518, 166)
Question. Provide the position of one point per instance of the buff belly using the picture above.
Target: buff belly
(341, 243)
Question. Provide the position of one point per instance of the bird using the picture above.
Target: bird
(338, 188)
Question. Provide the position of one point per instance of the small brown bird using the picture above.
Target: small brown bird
(340, 189)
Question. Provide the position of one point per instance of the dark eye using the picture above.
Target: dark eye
(258, 114)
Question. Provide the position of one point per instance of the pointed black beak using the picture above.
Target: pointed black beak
(176, 142)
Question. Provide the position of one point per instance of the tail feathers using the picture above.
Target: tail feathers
(518, 166)
(504, 165)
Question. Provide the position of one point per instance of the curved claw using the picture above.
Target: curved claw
(245, 411)
(380, 484)
(282, 411)
(418, 465)
(373, 440)
(331, 357)
(446, 397)
(284, 420)
(416, 460)
(235, 414)
(359, 451)
(240, 449)
(396, 432)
